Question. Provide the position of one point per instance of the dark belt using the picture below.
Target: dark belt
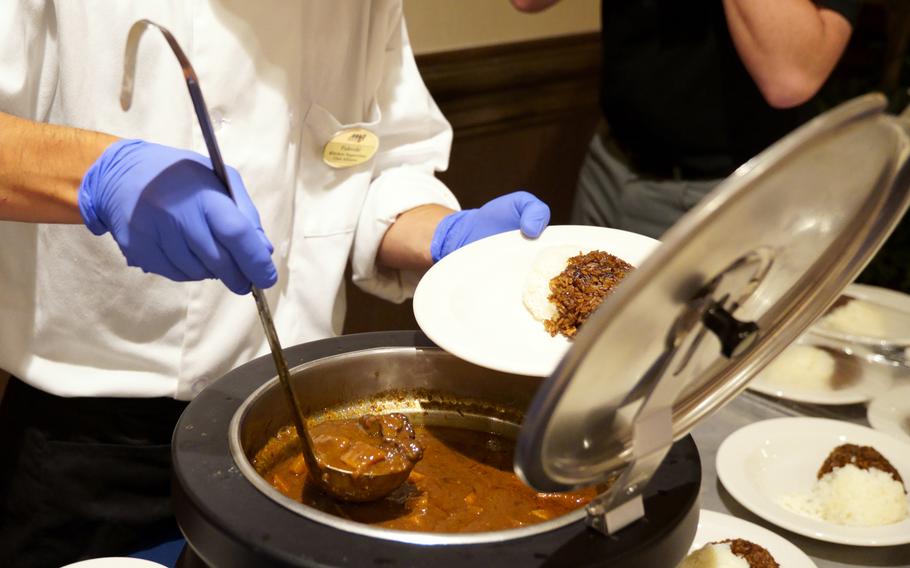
(656, 167)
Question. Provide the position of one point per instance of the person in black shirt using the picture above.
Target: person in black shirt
(691, 89)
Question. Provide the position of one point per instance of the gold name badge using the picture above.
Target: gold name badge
(350, 147)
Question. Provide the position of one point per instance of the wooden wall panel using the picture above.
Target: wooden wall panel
(523, 115)
(4, 379)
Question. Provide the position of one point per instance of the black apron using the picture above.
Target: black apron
(83, 477)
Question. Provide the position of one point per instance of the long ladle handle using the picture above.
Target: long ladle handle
(205, 123)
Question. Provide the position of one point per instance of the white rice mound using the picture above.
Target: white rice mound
(548, 263)
(718, 555)
(857, 317)
(852, 496)
(803, 367)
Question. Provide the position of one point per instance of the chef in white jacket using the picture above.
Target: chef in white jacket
(103, 354)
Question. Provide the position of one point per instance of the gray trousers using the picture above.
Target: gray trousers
(610, 194)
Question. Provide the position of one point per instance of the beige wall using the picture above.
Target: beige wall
(445, 25)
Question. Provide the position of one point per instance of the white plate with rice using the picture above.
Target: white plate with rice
(770, 467)
(716, 527)
(814, 374)
(867, 315)
(890, 412)
(474, 302)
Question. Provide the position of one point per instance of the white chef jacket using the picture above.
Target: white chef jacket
(280, 78)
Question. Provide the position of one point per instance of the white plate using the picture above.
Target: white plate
(855, 380)
(714, 527)
(470, 302)
(115, 562)
(891, 305)
(762, 462)
(890, 412)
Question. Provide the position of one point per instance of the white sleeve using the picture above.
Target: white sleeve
(28, 58)
(415, 139)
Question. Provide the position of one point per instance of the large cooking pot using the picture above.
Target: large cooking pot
(232, 517)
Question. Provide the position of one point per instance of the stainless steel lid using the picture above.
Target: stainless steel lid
(735, 281)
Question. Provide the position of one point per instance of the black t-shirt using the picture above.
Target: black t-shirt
(675, 92)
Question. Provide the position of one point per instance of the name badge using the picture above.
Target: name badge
(350, 147)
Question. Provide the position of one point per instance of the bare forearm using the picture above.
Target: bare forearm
(41, 167)
(789, 47)
(406, 245)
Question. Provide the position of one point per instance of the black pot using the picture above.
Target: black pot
(231, 517)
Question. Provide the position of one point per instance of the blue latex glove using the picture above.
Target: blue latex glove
(171, 215)
(519, 210)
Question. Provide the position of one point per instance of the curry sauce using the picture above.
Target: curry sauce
(464, 483)
(374, 444)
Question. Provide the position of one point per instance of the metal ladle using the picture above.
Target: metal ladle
(340, 483)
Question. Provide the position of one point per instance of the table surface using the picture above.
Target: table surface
(750, 407)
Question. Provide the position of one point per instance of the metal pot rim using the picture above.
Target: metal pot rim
(412, 537)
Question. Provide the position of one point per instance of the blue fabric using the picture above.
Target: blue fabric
(171, 215)
(165, 553)
(518, 210)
